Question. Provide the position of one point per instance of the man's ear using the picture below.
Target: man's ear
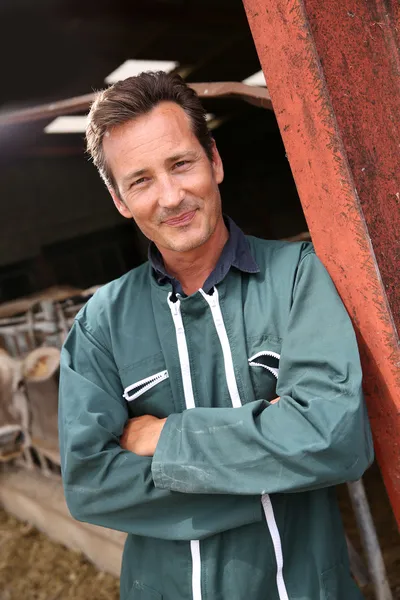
(217, 165)
(120, 204)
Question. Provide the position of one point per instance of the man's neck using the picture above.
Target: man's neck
(192, 268)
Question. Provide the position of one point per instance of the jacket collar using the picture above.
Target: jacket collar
(236, 253)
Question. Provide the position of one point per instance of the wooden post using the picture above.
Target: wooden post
(333, 73)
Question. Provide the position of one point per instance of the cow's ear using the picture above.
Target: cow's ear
(41, 364)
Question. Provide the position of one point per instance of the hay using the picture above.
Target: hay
(34, 568)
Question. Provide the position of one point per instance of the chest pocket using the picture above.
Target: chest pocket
(147, 390)
(264, 373)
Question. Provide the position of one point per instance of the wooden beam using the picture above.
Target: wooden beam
(258, 96)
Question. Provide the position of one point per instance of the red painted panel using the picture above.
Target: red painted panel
(324, 139)
(359, 60)
(391, 10)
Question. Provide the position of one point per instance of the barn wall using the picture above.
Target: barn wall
(258, 192)
(43, 200)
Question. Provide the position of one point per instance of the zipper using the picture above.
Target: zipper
(276, 541)
(226, 350)
(184, 361)
(196, 569)
(183, 352)
(236, 402)
(252, 363)
(144, 385)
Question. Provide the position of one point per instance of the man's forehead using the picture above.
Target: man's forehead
(166, 118)
(167, 124)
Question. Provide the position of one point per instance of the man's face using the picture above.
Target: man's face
(165, 180)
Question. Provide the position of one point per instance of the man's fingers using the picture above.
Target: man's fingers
(275, 401)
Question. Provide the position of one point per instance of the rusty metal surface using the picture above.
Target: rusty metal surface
(392, 15)
(363, 80)
(255, 95)
(322, 85)
(258, 96)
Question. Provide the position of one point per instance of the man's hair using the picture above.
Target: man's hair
(136, 96)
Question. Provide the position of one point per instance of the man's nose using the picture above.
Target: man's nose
(170, 192)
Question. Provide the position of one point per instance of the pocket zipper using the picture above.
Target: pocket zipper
(144, 385)
(272, 370)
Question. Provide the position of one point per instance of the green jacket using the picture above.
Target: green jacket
(237, 502)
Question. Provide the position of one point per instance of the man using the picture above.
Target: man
(211, 398)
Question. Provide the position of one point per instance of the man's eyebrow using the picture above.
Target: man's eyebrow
(183, 154)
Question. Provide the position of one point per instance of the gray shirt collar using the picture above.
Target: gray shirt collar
(236, 253)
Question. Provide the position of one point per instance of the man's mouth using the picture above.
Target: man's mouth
(183, 219)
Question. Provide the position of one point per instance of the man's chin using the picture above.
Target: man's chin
(186, 243)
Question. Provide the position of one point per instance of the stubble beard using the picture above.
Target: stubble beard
(189, 244)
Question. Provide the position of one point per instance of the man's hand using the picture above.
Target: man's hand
(141, 435)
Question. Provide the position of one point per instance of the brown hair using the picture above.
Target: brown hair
(136, 96)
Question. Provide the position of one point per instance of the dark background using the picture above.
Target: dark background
(57, 223)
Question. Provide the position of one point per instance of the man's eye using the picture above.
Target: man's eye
(139, 181)
(181, 163)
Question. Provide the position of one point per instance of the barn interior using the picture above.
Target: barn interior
(57, 222)
(58, 225)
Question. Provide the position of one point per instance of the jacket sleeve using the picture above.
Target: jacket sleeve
(111, 487)
(317, 435)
